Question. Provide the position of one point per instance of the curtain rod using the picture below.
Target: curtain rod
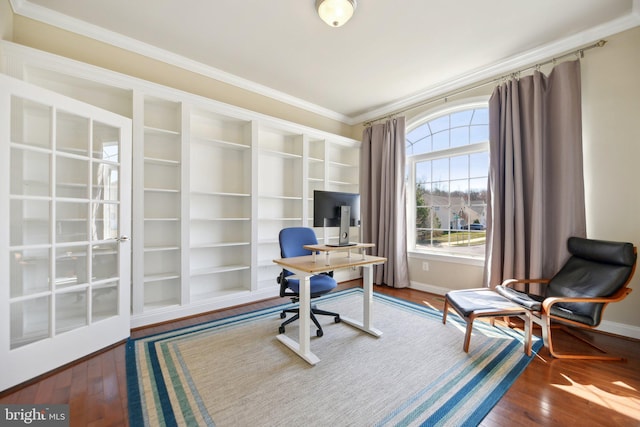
(578, 52)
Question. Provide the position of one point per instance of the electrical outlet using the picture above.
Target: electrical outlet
(425, 266)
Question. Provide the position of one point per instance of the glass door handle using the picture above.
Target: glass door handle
(122, 238)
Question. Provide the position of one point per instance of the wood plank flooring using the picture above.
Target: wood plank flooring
(550, 392)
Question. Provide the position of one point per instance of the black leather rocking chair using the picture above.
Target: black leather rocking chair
(597, 273)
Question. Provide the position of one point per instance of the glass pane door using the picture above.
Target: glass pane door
(68, 214)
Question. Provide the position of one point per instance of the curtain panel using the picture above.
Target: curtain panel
(383, 199)
(536, 183)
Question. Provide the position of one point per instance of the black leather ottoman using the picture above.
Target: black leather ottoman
(471, 304)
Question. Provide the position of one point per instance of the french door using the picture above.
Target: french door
(65, 203)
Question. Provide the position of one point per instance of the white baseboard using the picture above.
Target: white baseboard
(176, 312)
(621, 329)
(624, 330)
(428, 288)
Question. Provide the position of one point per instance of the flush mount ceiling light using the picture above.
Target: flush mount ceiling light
(336, 12)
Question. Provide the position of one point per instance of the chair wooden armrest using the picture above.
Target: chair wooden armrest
(618, 296)
(511, 282)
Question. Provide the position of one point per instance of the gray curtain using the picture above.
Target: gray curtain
(383, 199)
(536, 184)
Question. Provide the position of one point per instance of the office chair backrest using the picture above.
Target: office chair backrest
(293, 239)
(596, 268)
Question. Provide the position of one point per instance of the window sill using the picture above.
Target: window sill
(455, 259)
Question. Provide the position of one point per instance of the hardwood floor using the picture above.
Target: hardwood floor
(550, 392)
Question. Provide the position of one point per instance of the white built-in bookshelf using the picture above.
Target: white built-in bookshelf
(212, 186)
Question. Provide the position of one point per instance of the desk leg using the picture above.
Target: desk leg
(367, 312)
(303, 347)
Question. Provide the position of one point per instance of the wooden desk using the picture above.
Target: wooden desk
(328, 249)
(306, 266)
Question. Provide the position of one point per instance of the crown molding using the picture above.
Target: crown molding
(56, 19)
(505, 66)
(508, 65)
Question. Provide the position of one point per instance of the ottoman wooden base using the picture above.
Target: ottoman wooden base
(471, 304)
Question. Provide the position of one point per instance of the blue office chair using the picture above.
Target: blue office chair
(292, 241)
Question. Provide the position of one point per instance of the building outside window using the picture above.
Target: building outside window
(447, 164)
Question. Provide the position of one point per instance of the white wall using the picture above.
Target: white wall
(6, 20)
(611, 129)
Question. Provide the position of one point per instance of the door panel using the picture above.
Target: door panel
(65, 207)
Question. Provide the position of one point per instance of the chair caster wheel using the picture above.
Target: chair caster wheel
(281, 329)
(283, 315)
(319, 333)
(337, 319)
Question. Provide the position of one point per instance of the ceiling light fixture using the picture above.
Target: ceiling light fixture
(336, 12)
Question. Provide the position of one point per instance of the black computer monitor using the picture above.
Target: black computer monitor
(336, 209)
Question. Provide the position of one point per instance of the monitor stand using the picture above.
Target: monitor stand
(345, 220)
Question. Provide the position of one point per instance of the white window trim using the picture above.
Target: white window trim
(452, 107)
(453, 259)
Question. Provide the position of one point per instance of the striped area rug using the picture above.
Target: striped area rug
(234, 372)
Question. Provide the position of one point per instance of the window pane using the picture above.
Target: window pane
(459, 192)
(29, 271)
(441, 169)
(29, 222)
(72, 134)
(479, 164)
(71, 266)
(480, 117)
(419, 140)
(461, 118)
(441, 140)
(71, 311)
(418, 133)
(104, 301)
(440, 193)
(104, 223)
(423, 172)
(451, 191)
(478, 190)
(105, 182)
(30, 174)
(422, 146)
(459, 137)
(72, 221)
(424, 195)
(106, 142)
(72, 177)
(29, 321)
(104, 264)
(478, 134)
(30, 123)
(459, 167)
(439, 124)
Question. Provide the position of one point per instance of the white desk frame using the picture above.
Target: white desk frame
(304, 267)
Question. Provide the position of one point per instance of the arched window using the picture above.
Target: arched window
(447, 163)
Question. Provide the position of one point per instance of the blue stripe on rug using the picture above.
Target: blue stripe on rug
(450, 404)
(436, 389)
(162, 395)
(491, 400)
(133, 391)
